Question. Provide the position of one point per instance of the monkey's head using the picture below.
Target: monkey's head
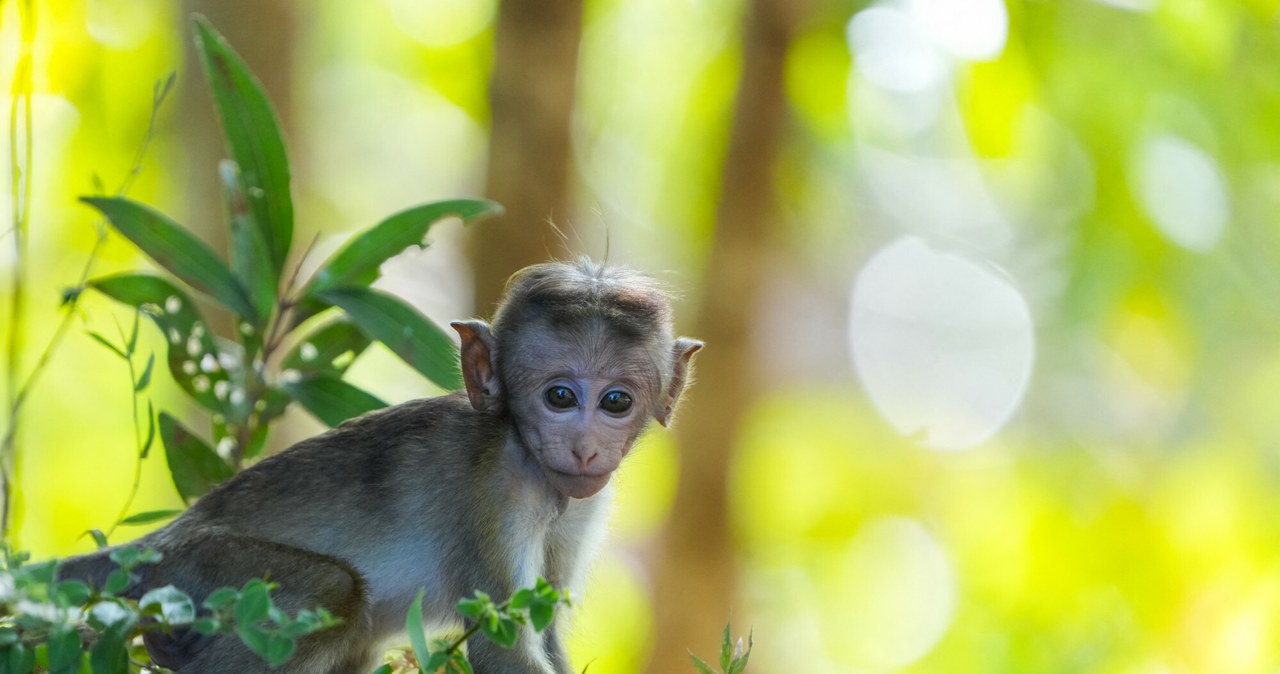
(581, 356)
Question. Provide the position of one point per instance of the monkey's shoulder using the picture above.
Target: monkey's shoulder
(424, 420)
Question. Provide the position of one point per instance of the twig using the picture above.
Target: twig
(18, 394)
(20, 166)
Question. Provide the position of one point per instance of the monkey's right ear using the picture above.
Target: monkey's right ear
(478, 371)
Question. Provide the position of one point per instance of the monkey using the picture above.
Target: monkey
(486, 488)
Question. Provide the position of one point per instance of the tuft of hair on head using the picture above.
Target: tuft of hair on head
(573, 293)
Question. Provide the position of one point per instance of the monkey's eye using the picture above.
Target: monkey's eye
(561, 397)
(615, 402)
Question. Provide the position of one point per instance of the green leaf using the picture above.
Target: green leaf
(458, 663)
(279, 649)
(194, 466)
(253, 137)
(505, 632)
(131, 345)
(702, 667)
(522, 599)
(254, 638)
(71, 593)
(541, 616)
(221, 598)
(151, 431)
(107, 343)
(406, 332)
(357, 263)
(253, 604)
(116, 582)
(149, 517)
(332, 400)
(417, 634)
(385, 669)
(318, 351)
(99, 538)
(251, 260)
(185, 331)
(64, 651)
(17, 659)
(110, 653)
(433, 664)
(475, 608)
(726, 648)
(175, 249)
(145, 379)
(207, 625)
(175, 605)
(739, 664)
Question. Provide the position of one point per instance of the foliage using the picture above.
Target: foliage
(275, 357)
(733, 656)
(500, 623)
(68, 627)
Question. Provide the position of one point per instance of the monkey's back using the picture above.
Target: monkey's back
(291, 497)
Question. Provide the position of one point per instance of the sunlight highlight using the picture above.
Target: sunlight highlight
(897, 597)
(975, 30)
(1182, 190)
(943, 345)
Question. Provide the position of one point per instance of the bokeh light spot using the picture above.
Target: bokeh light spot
(975, 30)
(1183, 191)
(943, 345)
(898, 596)
(440, 23)
(891, 49)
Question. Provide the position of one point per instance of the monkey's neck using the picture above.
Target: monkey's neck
(527, 478)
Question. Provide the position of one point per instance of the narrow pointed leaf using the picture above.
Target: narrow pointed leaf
(253, 137)
(702, 667)
(97, 337)
(131, 346)
(357, 263)
(145, 379)
(251, 261)
(175, 249)
(417, 634)
(406, 332)
(194, 466)
(151, 430)
(726, 647)
(149, 517)
(332, 400)
(185, 332)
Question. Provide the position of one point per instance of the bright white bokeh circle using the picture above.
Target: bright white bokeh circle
(891, 49)
(897, 596)
(944, 345)
(1182, 190)
(974, 30)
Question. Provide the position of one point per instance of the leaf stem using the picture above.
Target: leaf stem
(20, 192)
(18, 393)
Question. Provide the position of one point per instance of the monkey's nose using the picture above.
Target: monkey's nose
(585, 455)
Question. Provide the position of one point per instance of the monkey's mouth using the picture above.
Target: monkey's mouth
(577, 485)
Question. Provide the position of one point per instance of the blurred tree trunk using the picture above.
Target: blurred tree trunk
(262, 32)
(694, 580)
(531, 94)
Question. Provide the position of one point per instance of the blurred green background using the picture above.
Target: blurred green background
(990, 291)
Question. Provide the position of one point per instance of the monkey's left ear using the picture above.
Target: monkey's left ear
(478, 371)
(684, 349)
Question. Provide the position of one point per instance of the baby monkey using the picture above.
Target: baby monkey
(485, 489)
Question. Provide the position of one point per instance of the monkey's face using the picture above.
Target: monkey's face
(580, 406)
